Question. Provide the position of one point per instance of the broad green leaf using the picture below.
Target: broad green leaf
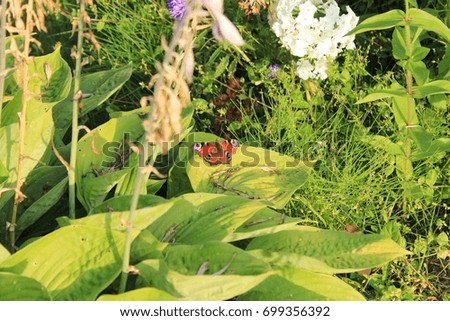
(100, 86)
(142, 294)
(39, 132)
(116, 220)
(437, 146)
(15, 287)
(73, 263)
(305, 286)
(254, 173)
(95, 189)
(419, 71)
(404, 109)
(399, 50)
(325, 251)
(379, 22)
(146, 247)
(122, 203)
(101, 152)
(421, 137)
(213, 258)
(432, 88)
(3, 173)
(4, 253)
(404, 167)
(33, 213)
(203, 217)
(424, 20)
(197, 287)
(45, 93)
(329, 287)
(382, 94)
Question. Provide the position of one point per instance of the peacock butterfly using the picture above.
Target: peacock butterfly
(216, 153)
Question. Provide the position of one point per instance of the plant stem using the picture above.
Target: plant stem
(18, 197)
(77, 96)
(2, 54)
(129, 224)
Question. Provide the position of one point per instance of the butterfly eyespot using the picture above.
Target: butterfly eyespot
(228, 155)
(208, 157)
(234, 142)
(197, 147)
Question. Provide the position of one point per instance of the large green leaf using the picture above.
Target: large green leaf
(424, 20)
(202, 217)
(39, 132)
(214, 257)
(325, 251)
(142, 294)
(301, 285)
(74, 263)
(15, 287)
(33, 213)
(379, 22)
(254, 173)
(99, 86)
(100, 154)
(45, 93)
(154, 273)
(4, 253)
(116, 220)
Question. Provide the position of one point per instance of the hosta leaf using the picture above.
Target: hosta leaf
(115, 220)
(4, 253)
(100, 86)
(100, 152)
(326, 251)
(41, 206)
(39, 131)
(215, 257)
(197, 287)
(122, 203)
(328, 286)
(74, 263)
(142, 294)
(301, 285)
(45, 93)
(254, 173)
(15, 287)
(202, 217)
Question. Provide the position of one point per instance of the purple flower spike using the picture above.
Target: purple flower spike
(273, 70)
(176, 8)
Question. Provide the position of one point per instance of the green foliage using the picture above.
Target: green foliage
(314, 157)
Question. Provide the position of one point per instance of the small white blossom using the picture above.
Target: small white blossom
(315, 31)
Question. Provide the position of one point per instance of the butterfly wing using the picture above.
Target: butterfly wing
(217, 152)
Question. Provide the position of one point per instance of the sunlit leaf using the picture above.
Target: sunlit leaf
(326, 251)
(142, 294)
(15, 287)
(379, 22)
(73, 263)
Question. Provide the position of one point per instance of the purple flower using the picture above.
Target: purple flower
(176, 8)
(273, 70)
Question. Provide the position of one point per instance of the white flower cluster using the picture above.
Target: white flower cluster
(314, 31)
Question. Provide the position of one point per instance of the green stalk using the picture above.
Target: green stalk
(141, 172)
(409, 88)
(18, 197)
(77, 96)
(2, 54)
